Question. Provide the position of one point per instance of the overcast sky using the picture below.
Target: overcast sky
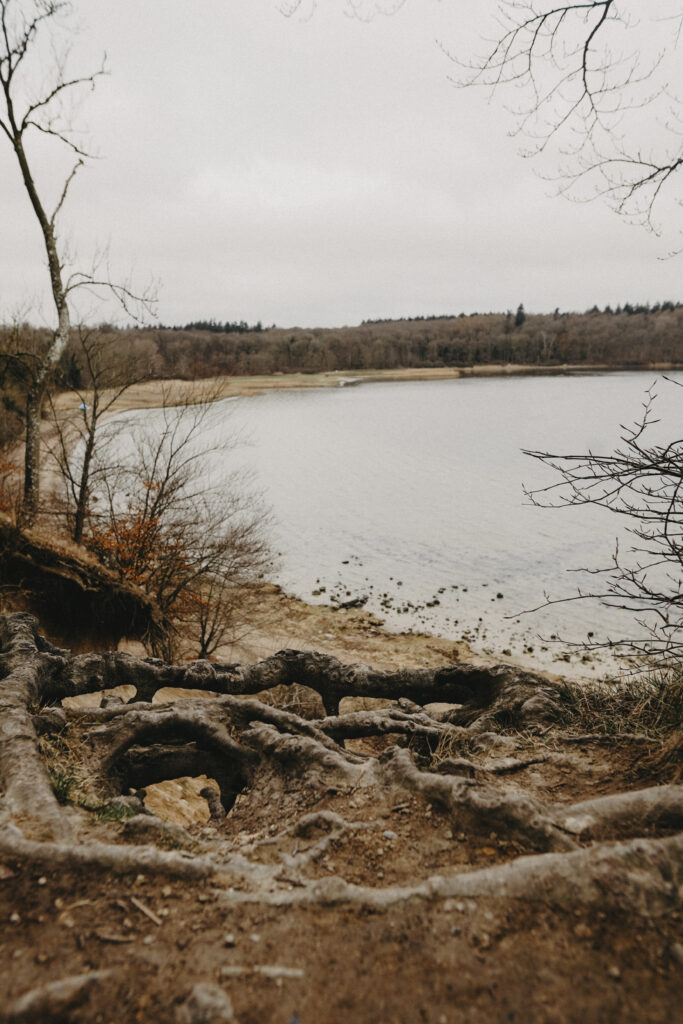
(314, 171)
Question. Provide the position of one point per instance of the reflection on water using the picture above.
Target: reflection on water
(411, 494)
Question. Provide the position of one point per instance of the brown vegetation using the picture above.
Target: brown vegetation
(628, 337)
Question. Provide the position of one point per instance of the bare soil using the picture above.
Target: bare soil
(419, 959)
(455, 960)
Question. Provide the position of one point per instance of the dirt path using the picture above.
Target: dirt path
(458, 962)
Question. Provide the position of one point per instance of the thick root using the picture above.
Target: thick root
(270, 833)
(54, 1001)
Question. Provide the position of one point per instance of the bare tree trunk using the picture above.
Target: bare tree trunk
(82, 503)
(34, 401)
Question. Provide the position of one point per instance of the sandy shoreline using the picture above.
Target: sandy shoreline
(154, 393)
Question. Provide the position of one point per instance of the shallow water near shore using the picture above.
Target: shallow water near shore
(411, 495)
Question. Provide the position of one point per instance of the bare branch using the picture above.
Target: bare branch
(587, 70)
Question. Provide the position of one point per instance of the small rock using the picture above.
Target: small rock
(112, 700)
(614, 972)
(15, 918)
(42, 880)
(582, 931)
(206, 1004)
(455, 930)
(255, 937)
(229, 940)
(388, 834)
(676, 950)
(167, 891)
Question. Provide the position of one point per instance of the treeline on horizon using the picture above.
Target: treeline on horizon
(629, 335)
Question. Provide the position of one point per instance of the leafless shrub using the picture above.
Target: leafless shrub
(642, 483)
(196, 549)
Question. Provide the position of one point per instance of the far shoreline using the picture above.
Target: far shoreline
(153, 394)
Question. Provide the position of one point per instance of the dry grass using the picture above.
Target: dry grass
(298, 700)
(651, 704)
(451, 746)
(67, 762)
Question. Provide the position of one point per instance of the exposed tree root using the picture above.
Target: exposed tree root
(660, 805)
(123, 859)
(26, 669)
(281, 767)
(478, 802)
(516, 694)
(54, 1001)
(643, 876)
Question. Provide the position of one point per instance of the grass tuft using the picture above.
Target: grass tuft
(114, 810)
(651, 704)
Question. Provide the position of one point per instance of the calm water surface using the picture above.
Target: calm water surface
(412, 492)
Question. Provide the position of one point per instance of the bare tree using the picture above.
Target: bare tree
(196, 549)
(643, 483)
(33, 104)
(107, 372)
(583, 72)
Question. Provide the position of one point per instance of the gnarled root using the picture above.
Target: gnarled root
(293, 796)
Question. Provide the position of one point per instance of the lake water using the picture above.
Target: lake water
(410, 493)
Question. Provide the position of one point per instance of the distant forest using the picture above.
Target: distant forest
(626, 336)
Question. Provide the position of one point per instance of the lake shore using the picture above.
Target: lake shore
(351, 635)
(155, 393)
(287, 621)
